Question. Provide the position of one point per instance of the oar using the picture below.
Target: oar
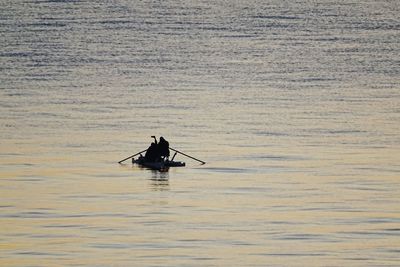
(202, 162)
(132, 156)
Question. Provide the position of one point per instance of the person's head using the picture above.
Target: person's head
(162, 139)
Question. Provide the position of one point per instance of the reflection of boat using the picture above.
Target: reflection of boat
(158, 165)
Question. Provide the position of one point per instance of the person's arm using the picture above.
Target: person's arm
(155, 139)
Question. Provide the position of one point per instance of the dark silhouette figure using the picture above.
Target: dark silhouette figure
(157, 150)
(152, 153)
(163, 147)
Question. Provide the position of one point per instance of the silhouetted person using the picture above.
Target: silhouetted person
(152, 153)
(163, 147)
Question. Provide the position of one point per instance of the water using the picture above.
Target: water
(294, 106)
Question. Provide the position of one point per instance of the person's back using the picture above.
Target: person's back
(152, 153)
(163, 147)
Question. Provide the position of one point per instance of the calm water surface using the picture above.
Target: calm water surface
(294, 106)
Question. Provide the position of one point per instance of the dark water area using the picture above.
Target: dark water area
(294, 106)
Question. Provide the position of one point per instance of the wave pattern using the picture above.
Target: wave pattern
(293, 105)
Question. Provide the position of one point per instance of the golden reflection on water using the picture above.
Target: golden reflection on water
(310, 206)
(198, 214)
(298, 124)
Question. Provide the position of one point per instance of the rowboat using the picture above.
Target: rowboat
(157, 165)
(162, 164)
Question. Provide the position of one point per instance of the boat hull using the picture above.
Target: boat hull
(158, 165)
